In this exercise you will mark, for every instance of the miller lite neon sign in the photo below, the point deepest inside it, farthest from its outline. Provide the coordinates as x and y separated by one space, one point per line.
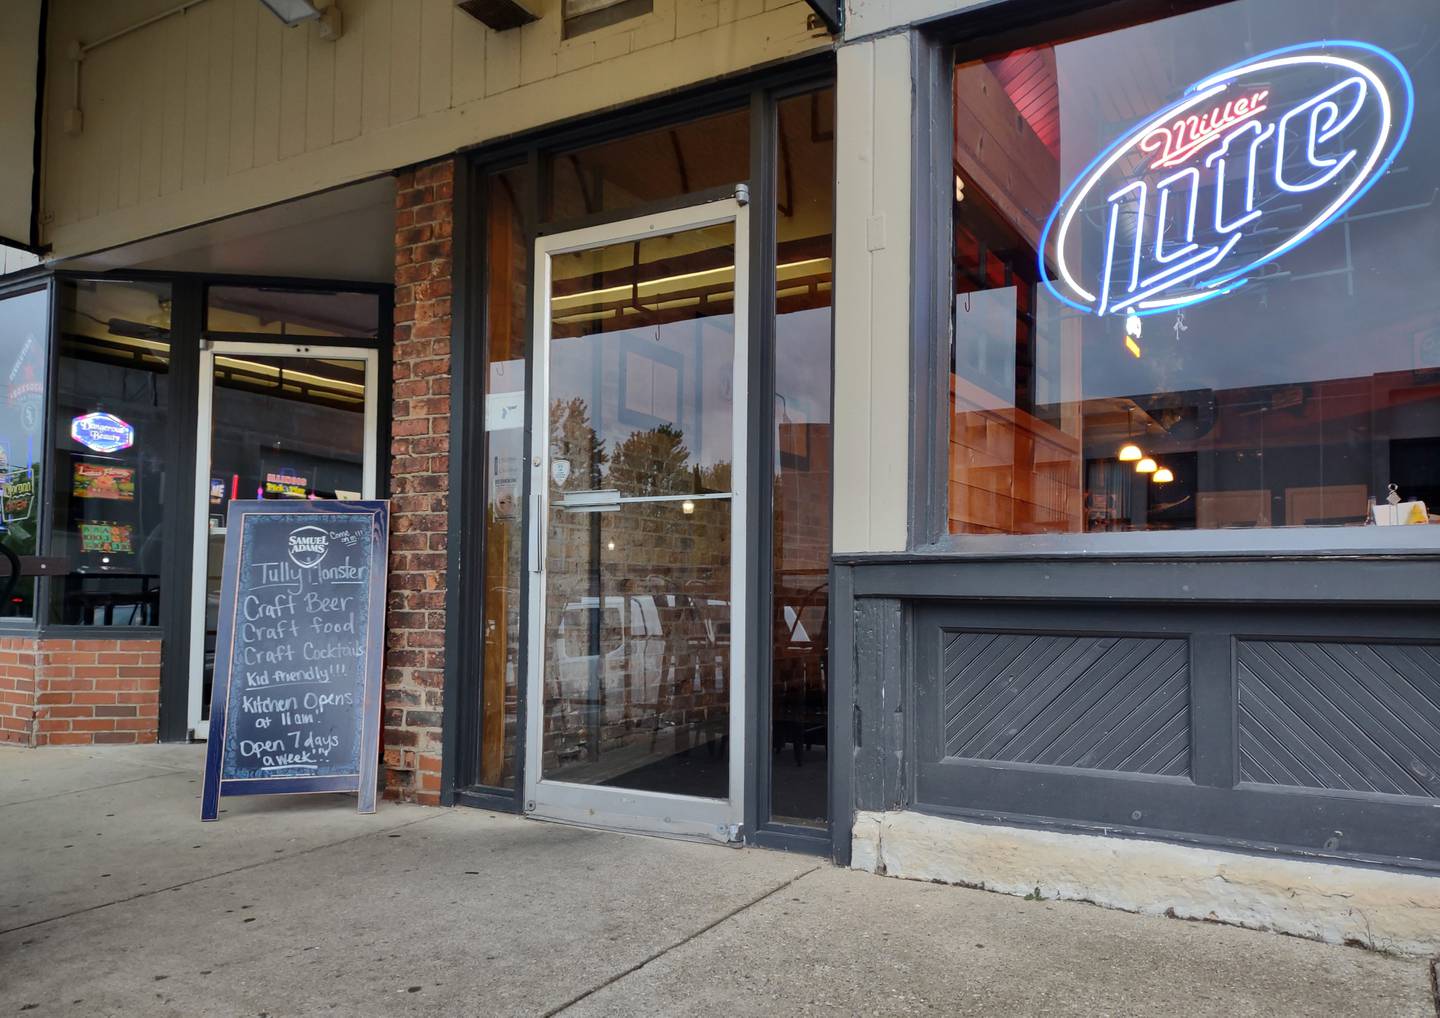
1250 163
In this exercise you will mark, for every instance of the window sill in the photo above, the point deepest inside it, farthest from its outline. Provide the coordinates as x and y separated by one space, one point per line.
1274 542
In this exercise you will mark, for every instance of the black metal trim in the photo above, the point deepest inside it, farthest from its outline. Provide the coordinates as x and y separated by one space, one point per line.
290 283
844 721
484 797
932 69
465 545
831 14
759 411
75 631
178 564
1318 582
792 838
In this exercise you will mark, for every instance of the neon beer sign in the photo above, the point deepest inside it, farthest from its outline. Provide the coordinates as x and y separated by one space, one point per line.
1250 163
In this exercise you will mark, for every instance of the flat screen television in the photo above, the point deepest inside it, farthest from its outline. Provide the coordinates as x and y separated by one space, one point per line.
103 480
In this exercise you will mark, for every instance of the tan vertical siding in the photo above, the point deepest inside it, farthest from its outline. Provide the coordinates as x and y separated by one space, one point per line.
223 108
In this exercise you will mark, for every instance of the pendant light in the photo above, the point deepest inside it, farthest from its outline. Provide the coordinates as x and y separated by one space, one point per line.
1163 476
1146 466
1129 452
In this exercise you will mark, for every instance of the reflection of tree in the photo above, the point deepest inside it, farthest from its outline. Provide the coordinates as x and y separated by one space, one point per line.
651 462
657 462
573 439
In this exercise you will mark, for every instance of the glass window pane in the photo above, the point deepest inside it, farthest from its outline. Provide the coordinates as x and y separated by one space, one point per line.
800 616
112 416
260 310
650 167
641 355
507 296
24 324
638 601
281 428
1193 308
637 676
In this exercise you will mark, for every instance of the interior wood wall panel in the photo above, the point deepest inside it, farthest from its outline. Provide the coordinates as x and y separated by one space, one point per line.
223 109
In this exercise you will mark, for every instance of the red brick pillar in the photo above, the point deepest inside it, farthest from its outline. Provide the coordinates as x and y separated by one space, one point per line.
419 483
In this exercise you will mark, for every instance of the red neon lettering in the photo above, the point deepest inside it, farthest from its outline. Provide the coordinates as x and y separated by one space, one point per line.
1178 141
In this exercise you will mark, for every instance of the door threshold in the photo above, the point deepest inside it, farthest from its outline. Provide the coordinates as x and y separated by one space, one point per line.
708 834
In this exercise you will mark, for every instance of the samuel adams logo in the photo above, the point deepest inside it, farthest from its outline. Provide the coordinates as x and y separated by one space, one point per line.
308 546
1250 163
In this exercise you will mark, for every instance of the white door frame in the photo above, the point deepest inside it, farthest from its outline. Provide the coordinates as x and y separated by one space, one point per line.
205 417
604 805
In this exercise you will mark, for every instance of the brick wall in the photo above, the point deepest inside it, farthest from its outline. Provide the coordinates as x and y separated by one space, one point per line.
419 482
17 690
79 692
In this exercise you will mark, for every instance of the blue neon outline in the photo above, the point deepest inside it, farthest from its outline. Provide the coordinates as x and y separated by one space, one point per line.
1323 46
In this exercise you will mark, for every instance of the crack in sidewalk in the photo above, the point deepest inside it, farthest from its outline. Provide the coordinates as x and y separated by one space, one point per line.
222 873
92 788
632 969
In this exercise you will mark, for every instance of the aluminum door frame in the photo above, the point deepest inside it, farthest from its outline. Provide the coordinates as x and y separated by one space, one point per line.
606 806
205 406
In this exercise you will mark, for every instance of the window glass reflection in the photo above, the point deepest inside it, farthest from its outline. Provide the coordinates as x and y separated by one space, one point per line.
1220 336
507 295
650 166
264 310
24 323
642 401
800 615
111 415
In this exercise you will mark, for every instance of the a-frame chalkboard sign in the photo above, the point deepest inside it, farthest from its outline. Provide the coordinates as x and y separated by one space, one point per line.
295 704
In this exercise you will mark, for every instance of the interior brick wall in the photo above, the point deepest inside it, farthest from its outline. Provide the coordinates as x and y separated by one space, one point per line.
79 692
419 482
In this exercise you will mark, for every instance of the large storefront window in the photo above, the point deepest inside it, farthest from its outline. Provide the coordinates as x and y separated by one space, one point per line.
1194 265
111 415
507 295
24 322
801 546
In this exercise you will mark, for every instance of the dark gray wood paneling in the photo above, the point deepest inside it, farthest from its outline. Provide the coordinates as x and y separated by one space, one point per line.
879 704
1074 713
1109 703
1361 717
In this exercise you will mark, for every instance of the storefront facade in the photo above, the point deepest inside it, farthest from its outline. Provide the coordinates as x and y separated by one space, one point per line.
114 507
644 198
958 445
1171 348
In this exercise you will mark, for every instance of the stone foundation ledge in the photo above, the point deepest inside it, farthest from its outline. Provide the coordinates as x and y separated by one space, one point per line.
1383 910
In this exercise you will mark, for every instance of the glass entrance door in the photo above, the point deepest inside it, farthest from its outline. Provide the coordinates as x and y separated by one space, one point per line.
636 684
276 422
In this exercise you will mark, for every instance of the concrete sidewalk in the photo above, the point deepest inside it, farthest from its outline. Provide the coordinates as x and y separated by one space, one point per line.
115 899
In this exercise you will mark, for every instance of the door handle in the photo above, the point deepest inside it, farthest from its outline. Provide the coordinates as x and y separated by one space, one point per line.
600 500
538 527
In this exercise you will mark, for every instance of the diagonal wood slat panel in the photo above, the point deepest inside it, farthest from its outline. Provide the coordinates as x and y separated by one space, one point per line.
1360 717
1109 703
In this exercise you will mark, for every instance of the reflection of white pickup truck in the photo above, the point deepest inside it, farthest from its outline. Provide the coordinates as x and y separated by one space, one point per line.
633 645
